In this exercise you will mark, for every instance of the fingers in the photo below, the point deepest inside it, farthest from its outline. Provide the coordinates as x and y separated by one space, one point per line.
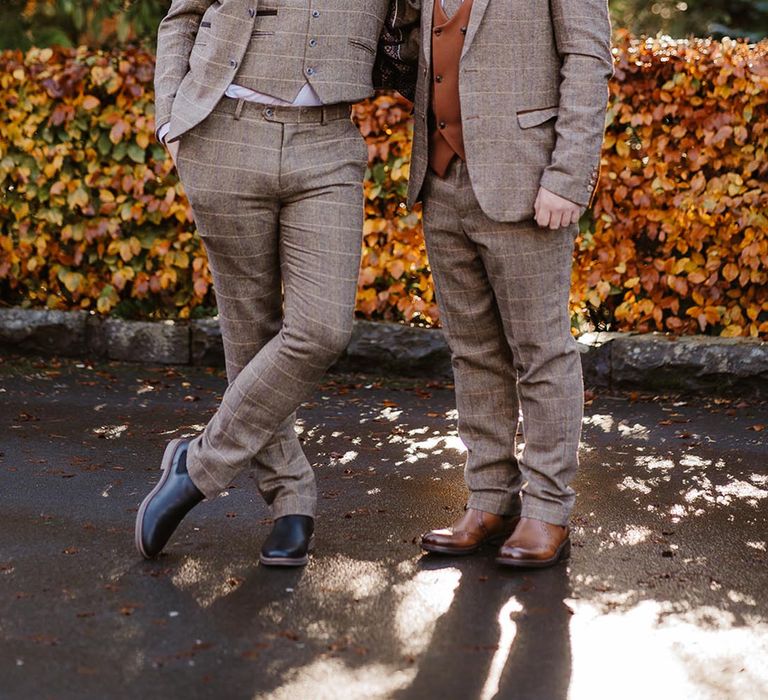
537 207
554 218
543 216
553 212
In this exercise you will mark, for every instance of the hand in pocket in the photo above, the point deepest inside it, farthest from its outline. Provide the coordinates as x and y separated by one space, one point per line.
173 149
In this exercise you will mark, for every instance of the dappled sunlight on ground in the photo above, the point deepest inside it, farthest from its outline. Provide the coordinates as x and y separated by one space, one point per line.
422 600
323 679
664 597
651 650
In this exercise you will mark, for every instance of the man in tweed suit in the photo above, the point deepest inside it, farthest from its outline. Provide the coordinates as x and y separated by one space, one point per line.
253 101
509 111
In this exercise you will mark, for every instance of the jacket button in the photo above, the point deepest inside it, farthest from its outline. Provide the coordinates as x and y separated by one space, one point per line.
438 78
463 30
310 71
442 125
313 43
233 63
315 13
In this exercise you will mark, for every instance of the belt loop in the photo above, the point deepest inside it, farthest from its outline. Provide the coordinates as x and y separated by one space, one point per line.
239 108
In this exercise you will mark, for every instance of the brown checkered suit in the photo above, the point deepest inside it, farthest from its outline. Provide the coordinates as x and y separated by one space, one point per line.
266 45
533 97
278 202
533 92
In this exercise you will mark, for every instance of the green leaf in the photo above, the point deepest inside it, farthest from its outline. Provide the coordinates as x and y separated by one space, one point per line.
136 153
104 144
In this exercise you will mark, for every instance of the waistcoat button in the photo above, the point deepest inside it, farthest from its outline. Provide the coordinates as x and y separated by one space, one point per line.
252 11
315 13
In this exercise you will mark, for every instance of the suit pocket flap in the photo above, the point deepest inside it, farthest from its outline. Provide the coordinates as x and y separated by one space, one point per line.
534 117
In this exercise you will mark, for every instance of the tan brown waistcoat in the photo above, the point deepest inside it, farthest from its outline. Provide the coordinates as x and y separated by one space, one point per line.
446 135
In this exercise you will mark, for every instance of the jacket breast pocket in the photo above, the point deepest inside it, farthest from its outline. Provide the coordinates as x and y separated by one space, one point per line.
528 118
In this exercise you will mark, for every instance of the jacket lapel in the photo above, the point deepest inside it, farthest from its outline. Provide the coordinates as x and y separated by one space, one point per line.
427 15
478 11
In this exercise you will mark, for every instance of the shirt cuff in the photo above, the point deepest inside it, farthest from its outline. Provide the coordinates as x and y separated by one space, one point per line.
162 132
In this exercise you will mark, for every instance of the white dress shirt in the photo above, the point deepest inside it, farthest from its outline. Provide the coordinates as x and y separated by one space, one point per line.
307 97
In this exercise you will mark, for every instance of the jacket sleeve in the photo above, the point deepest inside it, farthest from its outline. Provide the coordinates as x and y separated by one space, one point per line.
175 39
583 37
397 59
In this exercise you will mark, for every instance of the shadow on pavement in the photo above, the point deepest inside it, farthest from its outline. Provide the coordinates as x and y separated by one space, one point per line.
665 595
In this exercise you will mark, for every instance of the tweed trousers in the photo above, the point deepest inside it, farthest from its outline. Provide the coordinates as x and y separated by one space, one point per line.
503 297
277 198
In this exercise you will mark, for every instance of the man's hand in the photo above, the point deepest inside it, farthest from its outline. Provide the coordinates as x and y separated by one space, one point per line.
553 211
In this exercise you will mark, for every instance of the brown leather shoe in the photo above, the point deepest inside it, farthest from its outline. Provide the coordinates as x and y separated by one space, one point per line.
535 544
474 529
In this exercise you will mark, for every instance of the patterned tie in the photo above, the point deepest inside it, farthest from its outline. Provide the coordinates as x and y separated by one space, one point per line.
451 6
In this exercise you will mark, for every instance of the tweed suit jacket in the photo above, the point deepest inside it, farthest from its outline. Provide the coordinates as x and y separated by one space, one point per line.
274 45
533 87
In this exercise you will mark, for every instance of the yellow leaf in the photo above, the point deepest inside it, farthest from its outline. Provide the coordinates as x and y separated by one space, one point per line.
731 331
142 139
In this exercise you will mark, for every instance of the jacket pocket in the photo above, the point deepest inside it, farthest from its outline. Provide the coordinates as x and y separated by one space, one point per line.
533 117
368 46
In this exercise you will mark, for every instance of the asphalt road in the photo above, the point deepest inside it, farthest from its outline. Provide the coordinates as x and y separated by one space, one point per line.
665 596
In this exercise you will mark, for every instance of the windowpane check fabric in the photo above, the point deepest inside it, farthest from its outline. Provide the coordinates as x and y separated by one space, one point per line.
271 46
533 86
277 198
503 291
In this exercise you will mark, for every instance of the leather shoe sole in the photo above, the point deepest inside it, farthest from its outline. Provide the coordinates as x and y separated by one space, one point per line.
165 465
563 553
289 561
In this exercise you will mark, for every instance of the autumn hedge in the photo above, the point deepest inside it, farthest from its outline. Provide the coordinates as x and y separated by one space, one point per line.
92 215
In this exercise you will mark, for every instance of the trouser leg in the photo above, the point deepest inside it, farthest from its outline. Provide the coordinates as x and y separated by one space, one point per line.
237 216
482 362
319 229
529 269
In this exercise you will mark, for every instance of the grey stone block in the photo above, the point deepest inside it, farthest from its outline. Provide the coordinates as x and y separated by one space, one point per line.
693 363
381 347
595 349
164 342
96 341
43 331
654 362
207 348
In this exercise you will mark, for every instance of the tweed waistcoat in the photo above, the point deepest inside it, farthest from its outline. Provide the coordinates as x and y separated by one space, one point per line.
446 135
331 44
271 46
